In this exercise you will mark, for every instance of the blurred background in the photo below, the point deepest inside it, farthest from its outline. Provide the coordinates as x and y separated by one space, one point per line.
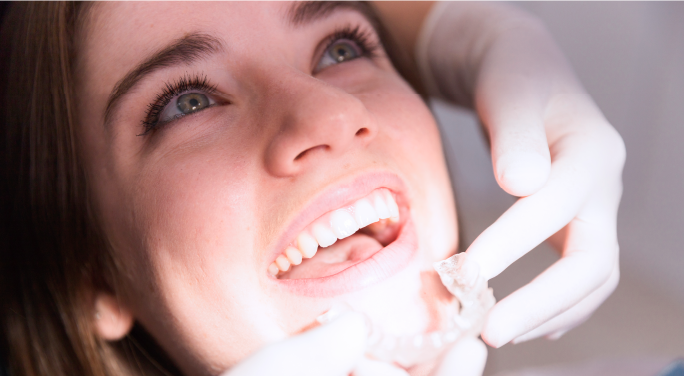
630 57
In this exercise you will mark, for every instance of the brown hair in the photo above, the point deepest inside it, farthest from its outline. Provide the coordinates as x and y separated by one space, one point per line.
53 257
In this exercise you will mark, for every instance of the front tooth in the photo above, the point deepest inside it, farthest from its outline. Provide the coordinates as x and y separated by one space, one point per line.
343 224
381 207
364 213
282 263
323 235
307 245
293 255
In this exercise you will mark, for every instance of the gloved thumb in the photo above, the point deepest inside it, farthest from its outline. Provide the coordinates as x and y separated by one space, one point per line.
331 349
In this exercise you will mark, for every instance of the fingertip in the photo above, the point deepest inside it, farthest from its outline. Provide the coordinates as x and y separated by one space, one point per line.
522 173
492 340
476 348
492 333
467 358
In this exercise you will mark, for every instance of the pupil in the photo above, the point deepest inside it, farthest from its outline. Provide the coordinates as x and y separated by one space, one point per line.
342 52
192 102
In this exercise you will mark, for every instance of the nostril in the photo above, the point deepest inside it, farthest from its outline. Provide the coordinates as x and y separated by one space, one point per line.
301 155
362 132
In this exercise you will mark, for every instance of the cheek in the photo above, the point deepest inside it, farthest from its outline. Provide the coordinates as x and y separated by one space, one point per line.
194 214
414 141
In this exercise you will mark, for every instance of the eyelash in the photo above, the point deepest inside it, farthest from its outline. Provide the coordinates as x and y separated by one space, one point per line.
363 38
171 90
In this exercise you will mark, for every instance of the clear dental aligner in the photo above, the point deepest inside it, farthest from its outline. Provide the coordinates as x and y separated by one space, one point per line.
467 314
376 211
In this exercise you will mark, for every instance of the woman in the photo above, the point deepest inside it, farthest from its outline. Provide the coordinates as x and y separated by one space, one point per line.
174 173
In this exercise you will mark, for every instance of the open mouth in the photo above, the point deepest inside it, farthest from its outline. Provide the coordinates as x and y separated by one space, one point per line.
342 238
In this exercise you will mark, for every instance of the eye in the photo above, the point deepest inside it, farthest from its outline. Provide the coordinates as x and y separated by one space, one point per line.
184 104
340 51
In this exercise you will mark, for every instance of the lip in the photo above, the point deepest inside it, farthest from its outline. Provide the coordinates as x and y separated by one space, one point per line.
381 265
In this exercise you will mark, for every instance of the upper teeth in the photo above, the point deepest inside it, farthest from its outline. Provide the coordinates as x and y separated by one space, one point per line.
338 224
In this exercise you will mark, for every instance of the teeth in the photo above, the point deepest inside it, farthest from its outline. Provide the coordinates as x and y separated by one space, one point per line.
373 210
273 269
282 263
391 205
307 245
364 214
324 236
293 256
381 207
343 224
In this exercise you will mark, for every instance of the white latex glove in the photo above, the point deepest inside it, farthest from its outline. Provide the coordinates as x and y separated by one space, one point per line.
337 348
466 358
550 145
333 349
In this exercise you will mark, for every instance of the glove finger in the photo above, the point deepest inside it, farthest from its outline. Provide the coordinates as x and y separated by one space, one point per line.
519 148
575 315
530 221
466 358
589 257
332 349
511 96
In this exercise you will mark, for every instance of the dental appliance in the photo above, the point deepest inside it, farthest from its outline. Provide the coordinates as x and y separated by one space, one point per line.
473 299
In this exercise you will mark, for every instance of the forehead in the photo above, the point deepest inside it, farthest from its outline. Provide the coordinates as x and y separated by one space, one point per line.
121 31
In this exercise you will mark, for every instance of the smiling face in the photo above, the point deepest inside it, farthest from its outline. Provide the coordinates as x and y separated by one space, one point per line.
237 135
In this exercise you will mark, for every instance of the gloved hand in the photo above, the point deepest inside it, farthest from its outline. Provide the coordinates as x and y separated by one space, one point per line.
337 349
550 145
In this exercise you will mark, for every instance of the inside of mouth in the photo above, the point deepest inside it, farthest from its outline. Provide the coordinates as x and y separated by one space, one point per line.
341 239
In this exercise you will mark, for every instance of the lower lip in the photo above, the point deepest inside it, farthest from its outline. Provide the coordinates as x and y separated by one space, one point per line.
382 265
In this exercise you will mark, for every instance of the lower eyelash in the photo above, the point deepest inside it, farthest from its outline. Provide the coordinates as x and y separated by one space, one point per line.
171 89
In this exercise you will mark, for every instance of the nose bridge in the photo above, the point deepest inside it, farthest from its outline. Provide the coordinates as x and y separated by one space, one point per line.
316 122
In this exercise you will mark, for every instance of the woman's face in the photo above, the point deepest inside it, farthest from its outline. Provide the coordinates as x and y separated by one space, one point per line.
217 136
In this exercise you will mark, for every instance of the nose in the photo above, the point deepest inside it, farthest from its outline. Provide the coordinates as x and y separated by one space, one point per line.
317 123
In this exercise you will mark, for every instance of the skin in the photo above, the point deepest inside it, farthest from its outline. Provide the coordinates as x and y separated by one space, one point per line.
193 209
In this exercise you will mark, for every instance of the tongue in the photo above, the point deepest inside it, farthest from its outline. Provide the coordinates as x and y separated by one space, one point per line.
334 259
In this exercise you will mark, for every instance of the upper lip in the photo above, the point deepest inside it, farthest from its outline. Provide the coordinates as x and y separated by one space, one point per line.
335 197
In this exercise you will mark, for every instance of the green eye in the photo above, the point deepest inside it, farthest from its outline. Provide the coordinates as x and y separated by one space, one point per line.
342 51
192 102
185 104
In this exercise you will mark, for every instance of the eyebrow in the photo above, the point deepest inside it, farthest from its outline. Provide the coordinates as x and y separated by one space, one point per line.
186 50
305 12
